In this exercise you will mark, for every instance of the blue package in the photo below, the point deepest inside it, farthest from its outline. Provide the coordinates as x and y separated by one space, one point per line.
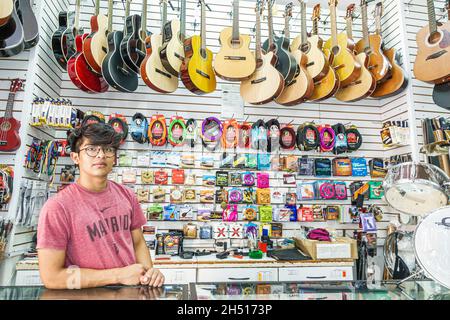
264 161
171 213
359 167
293 209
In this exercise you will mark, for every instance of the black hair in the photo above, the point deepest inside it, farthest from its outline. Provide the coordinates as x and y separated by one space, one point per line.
96 133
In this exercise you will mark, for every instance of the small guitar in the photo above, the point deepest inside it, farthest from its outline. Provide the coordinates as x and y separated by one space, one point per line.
286 63
152 70
114 70
328 85
132 47
172 50
197 72
302 86
6 11
365 84
397 81
433 55
341 54
96 43
11 35
29 23
235 61
266 83
9 126
373 45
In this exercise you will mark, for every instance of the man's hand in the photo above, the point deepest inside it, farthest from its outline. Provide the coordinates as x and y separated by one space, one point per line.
131 275
153 278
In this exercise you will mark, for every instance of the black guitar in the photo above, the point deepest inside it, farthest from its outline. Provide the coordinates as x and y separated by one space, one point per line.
441 95
29 23
133 47
12 36
286 63
114 70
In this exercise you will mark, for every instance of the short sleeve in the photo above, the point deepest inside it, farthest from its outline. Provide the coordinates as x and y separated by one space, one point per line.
53 227
138 219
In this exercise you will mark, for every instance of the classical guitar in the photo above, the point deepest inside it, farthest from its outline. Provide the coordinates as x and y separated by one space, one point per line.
6 11
114 70
197 72
433 55
366 83
132 47
398 80
266 83
328 85
235 61
152 70
11 35
96 43
29 23
286 63
172 50
318 65
9 126
302 86
341 54
373 45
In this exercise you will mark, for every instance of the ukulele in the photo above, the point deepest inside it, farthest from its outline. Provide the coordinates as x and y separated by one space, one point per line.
344 62
329 84
372 45
6 11
11 34
29 23
9 126
433 56
302 86
114 70
172 50
152 70
96 43
197 72
318 65
79 71
286 63
266 83
365 85
235 61
397 81
132 47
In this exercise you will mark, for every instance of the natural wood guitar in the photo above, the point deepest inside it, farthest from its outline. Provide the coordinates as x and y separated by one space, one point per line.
235 61
6 10
12 35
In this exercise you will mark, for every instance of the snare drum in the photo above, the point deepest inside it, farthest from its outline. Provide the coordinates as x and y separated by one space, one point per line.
416 188
432 245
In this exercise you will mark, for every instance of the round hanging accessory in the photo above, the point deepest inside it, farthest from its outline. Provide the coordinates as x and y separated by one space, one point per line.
273 131
191 132
259 135
341 139
177 131
354 138
230 136
308 137
139 128
119 123
212 130
157 130
245 131
288 137
327 138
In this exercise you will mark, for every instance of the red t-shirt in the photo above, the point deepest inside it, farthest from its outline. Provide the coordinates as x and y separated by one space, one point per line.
93 227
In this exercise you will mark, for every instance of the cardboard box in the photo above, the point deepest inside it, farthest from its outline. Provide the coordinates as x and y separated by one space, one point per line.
342 248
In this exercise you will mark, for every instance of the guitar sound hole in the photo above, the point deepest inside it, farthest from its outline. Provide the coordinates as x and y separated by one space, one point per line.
434 38
335 50
203 53
305 47
6 126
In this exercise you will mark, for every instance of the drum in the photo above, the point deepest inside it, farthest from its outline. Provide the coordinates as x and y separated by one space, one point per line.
404 240
416 188
432 245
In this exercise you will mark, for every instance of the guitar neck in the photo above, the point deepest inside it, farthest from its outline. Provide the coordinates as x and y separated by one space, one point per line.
77 14
183 20
127 13
10 105
304 31
144 18
163 15
97 7
258 36
432 16
350 27
235 20
287 32
365 25
203 26
110 14
334 32
270 19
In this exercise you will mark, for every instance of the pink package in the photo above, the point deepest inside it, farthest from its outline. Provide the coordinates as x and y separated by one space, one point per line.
263 180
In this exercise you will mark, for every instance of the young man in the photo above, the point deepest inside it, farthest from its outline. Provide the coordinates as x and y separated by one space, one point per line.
89 234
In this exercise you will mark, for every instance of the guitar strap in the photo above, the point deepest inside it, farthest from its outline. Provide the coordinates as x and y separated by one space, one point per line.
119 123
191 132
288 138
341 139
139 128
327 138
177 131
308 137
157 130
230 134
273 131
354 138
245 131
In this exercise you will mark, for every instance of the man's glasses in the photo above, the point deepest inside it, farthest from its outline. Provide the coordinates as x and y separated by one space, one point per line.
93 151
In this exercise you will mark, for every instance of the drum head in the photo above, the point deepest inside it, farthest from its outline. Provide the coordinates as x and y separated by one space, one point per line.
432 245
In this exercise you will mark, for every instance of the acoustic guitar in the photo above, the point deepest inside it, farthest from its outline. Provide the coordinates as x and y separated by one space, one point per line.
365 85
29 23
344 62
11 35
286 63
6 11
96 43
302 86
172 50
433 56
318 65
152 70
114 70
132 47
328 85
398 80
197 72
373 45
9 126
266 83
235 61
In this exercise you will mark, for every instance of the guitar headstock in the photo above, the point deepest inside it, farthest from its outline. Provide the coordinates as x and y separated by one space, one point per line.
259 6
350 11
363 3
379 10
333 3
288 10
16 85
316 13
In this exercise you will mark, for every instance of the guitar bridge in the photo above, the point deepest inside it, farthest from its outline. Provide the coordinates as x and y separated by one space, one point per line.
259 80
164 73
310 64
436 55
200 72
105 50
179 57
339 67
235 58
